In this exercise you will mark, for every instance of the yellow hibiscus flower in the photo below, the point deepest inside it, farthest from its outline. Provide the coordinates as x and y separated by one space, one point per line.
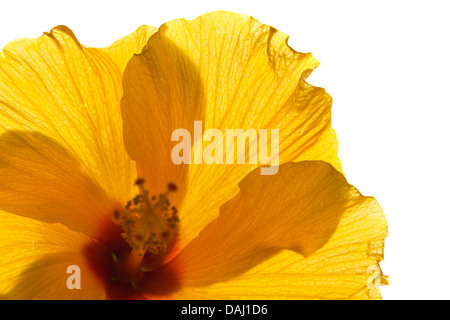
87 180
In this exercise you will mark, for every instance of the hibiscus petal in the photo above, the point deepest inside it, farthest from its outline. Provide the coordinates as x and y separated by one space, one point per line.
343 273
123 49
230 72
36 257
308 208
42 180
70 93
162 93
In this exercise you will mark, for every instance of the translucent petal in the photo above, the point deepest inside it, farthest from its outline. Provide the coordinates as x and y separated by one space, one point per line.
35 257
334 235
230 72
55 86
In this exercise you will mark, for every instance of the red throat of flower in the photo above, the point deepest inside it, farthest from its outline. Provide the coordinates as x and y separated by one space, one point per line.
149 227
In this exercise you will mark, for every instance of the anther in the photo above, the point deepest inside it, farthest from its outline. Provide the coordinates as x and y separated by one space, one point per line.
139 181
116 215
172 187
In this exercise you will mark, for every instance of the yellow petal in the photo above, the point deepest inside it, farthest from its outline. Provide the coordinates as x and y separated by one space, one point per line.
42 180
346 267
35 258
309 208
344 274
70 93
122 50
162 92
230 72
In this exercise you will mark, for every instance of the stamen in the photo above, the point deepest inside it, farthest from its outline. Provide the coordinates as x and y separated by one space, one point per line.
149 223
139 181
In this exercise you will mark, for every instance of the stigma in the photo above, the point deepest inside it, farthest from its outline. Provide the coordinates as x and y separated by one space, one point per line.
149 223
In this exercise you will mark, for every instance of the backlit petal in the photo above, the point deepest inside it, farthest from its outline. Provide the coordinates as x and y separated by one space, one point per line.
334 235
70 93
34 261
42 180
230 72
123 49
346 267
162 92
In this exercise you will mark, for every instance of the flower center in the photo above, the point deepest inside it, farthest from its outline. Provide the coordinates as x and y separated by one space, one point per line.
149 223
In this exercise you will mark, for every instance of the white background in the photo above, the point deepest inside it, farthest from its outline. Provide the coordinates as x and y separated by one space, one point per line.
387 66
